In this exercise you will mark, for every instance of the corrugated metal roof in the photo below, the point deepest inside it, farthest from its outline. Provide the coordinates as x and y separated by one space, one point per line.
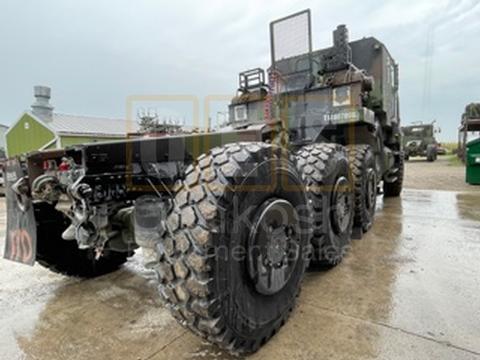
65 124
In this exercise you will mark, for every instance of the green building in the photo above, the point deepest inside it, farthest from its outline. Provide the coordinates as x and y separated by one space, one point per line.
41 128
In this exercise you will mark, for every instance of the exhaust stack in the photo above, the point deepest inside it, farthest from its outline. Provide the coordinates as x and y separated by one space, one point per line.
42 107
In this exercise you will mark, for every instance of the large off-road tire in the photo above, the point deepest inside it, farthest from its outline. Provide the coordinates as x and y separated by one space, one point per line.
431 153
325 172
64 256
362 166
220 257
394 189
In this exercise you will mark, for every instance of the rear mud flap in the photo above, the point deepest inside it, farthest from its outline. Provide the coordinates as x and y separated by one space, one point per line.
21 236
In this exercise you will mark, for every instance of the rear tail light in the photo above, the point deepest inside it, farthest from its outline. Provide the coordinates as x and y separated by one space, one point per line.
64 166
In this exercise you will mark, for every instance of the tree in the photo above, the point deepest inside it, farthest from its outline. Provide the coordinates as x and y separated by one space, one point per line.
148 122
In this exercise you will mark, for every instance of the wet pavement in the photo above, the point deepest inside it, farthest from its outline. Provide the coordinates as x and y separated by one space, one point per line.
408 290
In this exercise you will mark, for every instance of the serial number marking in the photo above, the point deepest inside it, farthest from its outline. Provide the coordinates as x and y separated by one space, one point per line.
341 116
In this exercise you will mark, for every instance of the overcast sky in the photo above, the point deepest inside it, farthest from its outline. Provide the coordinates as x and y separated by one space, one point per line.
94 54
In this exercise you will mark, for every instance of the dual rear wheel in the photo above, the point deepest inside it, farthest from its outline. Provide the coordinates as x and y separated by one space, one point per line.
341 185
325 173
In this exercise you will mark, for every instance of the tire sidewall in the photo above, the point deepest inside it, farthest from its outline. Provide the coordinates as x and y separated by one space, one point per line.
258 313
367 214
335 246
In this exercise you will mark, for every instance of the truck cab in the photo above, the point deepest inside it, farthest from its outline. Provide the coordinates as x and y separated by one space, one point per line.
419 140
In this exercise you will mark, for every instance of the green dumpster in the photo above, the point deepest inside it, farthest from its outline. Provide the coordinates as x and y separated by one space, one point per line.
473 162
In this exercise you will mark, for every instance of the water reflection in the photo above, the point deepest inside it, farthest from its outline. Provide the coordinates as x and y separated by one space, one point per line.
468 206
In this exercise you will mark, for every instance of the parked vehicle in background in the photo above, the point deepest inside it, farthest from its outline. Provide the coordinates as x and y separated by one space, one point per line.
441 150
419 140
469 128
228 220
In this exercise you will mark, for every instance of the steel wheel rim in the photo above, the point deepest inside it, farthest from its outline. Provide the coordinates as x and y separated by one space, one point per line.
273 246
341 205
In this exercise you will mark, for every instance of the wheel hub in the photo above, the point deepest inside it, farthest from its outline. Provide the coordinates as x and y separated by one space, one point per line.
273 246
341 205
278 245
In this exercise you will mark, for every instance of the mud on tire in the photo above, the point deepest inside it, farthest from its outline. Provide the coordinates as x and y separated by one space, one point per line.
64 256
321 166
208 276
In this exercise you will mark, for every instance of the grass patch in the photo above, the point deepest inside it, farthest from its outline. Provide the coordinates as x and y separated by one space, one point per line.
450 147
453 160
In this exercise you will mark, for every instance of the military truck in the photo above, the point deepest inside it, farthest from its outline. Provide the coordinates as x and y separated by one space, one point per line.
229 220
419 140
469 128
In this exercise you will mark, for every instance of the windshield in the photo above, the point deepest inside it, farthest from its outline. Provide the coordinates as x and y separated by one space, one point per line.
417 131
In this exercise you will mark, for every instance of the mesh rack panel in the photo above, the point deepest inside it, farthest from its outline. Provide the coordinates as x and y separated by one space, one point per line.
291 36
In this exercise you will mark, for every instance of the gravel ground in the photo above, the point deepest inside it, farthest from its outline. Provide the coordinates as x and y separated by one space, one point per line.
444 174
